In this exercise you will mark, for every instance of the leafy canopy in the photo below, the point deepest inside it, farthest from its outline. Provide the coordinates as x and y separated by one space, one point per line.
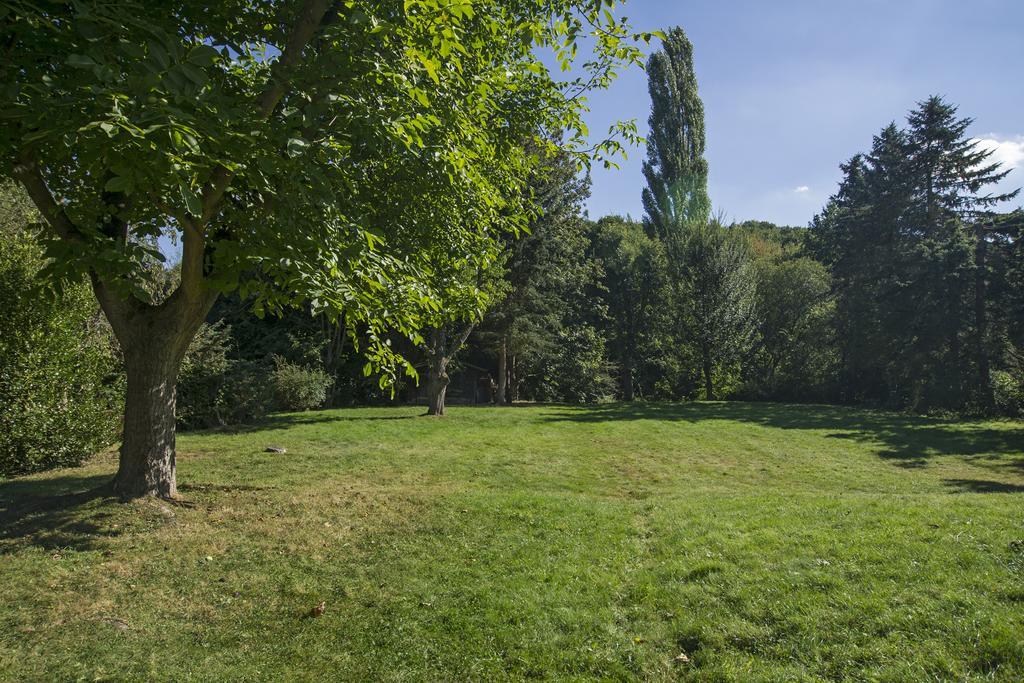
303 151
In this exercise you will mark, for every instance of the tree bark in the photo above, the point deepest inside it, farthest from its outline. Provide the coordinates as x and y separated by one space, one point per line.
147 462
502 372
437 387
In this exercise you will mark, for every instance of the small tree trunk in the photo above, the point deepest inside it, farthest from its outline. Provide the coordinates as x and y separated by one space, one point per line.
502 372
627 377
437 386
984 370
513 381
437 377
147 464
709 383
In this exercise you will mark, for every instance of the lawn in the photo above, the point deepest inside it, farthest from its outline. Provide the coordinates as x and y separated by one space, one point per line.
760 542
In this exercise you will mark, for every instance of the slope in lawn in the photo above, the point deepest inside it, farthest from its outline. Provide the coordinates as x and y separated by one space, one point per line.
761 542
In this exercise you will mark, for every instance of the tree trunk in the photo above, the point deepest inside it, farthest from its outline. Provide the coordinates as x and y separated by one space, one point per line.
146 464
513 381
437 376
437 387
627 377
439 354
153 340
984 371
502 372
709 384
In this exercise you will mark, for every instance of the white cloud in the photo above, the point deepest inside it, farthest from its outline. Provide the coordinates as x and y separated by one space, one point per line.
1009 152
803 189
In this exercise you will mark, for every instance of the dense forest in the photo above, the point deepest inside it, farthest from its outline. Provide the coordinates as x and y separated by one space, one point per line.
906 292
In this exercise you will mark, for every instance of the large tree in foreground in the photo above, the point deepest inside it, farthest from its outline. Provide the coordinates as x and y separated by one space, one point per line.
290 146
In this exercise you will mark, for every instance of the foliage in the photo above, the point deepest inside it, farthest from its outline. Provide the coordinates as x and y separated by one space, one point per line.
319 153
1008 392
676 195
634 295
717 303
794 354
299 388
906 238
545 271
576 372
59 380
201 397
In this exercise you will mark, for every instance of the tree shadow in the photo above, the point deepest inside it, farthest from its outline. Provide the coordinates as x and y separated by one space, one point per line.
289 420
982 486
907 441
47 513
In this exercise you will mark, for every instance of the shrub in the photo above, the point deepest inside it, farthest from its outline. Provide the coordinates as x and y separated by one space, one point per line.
201 398
60 382
1008 391
299 388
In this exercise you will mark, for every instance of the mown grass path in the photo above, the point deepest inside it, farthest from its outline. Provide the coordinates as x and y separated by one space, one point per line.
763 542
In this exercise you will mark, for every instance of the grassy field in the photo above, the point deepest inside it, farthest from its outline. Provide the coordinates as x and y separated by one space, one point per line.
761 542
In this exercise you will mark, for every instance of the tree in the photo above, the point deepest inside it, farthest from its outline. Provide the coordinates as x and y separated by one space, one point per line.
717 300
60 380
709 267
633 288
676 195
905 242
545 273
307 152
793 357
469 285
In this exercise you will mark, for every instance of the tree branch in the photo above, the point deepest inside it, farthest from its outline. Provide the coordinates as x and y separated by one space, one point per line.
309 21
26 170
461 339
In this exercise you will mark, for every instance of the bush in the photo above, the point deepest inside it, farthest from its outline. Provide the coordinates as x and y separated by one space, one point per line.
61 387
215 390
1008 391
299 388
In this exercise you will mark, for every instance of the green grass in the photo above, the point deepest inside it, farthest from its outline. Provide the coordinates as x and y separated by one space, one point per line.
766 542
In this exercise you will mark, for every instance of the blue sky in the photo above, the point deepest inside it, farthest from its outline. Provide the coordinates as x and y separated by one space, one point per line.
791 88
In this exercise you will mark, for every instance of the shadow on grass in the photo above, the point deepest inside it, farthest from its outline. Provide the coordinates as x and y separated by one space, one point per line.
47 512
289 420
905 440
982 486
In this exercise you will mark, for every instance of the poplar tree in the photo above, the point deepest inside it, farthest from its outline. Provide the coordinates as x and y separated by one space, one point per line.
676 195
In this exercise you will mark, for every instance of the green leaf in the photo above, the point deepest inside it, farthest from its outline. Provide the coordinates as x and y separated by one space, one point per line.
296 146
80 61
118 184
192 203
194 74
203 55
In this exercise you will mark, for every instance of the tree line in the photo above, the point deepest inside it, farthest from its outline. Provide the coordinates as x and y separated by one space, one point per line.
352 236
